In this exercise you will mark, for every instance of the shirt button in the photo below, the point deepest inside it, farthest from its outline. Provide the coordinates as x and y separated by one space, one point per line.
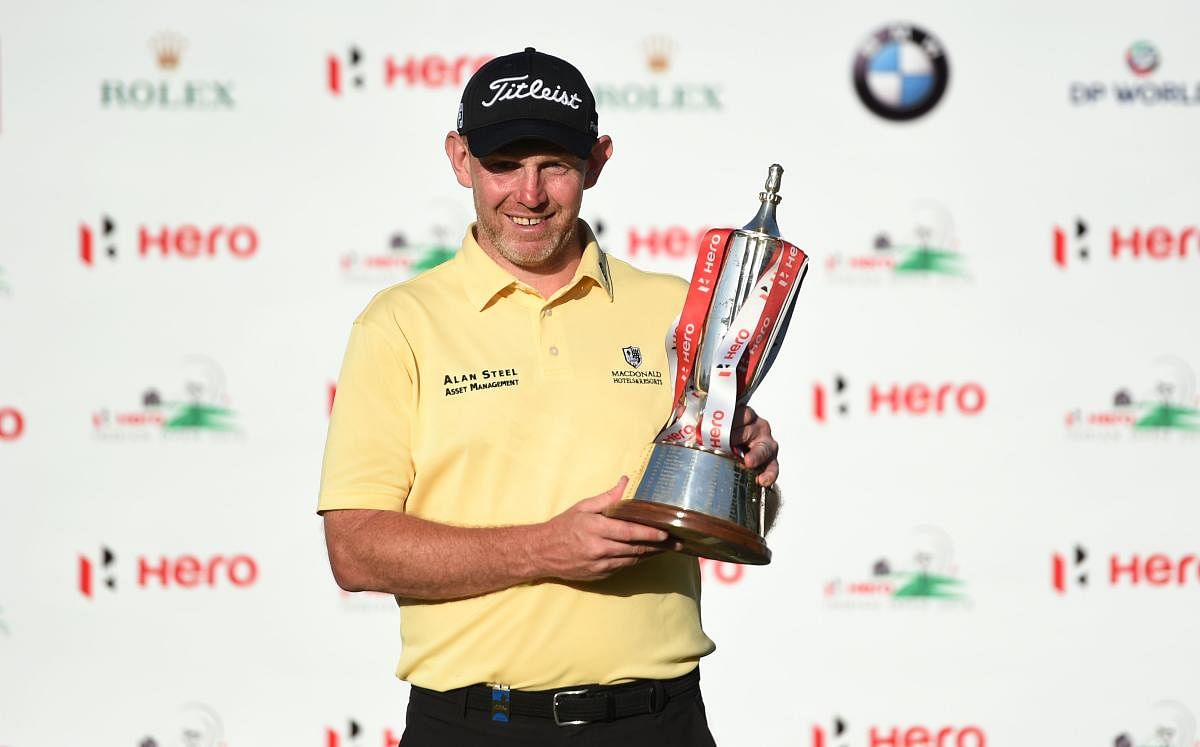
553 350
548 312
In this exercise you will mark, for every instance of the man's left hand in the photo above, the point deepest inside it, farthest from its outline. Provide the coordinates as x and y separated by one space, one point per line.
752 436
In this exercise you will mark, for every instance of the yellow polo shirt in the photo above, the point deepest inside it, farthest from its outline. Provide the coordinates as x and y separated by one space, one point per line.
467 398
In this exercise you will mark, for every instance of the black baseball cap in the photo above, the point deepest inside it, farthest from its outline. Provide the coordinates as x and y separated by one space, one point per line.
528 95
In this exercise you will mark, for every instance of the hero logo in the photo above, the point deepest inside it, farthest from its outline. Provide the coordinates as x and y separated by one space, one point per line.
428 71
838 734
183 571
672 242
917 398
12 424
353 736
1076 243
186 241
1070 570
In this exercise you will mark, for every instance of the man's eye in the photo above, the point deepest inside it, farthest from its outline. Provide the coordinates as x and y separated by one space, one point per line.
499 166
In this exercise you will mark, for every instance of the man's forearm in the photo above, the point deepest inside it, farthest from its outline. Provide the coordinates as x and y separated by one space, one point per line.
400 554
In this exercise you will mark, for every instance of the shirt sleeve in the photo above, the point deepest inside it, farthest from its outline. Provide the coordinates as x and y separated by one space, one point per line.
368 452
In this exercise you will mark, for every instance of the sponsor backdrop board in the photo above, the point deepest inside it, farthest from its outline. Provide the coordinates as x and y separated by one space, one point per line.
987 404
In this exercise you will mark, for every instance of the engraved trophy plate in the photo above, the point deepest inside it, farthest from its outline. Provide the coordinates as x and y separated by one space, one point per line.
692 484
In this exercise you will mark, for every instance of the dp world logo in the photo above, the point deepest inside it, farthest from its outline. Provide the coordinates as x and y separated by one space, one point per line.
901 72
1142 58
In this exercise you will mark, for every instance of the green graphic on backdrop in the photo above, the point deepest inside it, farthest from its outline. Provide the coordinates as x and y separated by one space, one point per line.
199 416
929 260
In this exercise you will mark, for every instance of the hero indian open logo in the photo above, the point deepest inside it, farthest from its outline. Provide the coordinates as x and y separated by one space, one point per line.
351 71
662 90
1143 60
1077 243
185 241
192 724
103 573
1073 570
921 571
400 256
166 91
834 400
919 243
1163 404
1168 723
198 404
838 733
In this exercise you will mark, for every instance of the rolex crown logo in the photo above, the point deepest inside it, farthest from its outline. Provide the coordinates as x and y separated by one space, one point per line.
168 48
658 51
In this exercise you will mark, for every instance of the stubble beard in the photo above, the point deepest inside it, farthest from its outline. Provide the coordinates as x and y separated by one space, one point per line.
556 246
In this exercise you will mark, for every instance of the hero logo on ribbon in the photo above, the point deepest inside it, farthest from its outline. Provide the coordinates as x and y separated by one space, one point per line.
515 88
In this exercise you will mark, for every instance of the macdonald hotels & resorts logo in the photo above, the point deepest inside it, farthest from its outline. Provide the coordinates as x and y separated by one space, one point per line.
1076 243
836 399
1163 403
356 71
922 572
100 242
920 244
838 732
661 90
103 574
1080 569
167 90
197 404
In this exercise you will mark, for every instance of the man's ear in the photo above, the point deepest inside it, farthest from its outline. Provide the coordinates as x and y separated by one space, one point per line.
456 151
601 152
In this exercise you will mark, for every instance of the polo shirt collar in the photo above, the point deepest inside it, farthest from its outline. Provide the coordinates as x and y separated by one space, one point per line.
484 278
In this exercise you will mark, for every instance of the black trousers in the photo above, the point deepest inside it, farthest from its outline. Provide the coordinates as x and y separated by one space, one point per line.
438 719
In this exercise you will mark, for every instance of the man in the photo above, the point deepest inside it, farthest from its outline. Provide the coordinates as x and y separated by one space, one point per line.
477 403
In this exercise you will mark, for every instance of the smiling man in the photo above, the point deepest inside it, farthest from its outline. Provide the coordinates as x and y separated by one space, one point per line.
479 404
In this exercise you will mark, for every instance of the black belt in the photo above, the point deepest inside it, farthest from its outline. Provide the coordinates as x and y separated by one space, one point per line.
585 704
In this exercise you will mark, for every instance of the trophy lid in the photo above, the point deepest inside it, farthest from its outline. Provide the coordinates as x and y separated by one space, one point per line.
764 221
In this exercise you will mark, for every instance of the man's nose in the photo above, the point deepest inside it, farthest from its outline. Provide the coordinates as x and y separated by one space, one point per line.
531 191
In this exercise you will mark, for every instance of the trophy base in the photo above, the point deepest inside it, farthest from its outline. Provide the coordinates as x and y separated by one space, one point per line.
702 535
706 500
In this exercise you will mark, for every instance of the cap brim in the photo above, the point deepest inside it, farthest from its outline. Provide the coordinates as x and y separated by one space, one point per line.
489 138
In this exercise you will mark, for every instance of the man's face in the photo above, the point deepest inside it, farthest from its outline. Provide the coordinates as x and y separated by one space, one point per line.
527 197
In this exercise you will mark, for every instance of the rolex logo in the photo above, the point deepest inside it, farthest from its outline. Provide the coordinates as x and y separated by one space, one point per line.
658 51
168 48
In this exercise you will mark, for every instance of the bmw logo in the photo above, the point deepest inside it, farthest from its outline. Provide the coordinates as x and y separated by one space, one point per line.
900 72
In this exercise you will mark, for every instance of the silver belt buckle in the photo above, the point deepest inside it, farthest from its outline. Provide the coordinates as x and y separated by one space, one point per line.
554 701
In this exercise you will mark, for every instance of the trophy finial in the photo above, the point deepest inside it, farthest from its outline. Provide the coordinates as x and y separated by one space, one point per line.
774 177
764 221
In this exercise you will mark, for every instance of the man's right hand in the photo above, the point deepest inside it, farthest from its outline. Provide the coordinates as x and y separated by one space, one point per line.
582 544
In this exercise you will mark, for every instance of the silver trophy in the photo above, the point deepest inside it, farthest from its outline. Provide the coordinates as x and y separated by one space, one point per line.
692 483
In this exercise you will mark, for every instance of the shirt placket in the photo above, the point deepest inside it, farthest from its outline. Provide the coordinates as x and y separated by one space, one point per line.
554 352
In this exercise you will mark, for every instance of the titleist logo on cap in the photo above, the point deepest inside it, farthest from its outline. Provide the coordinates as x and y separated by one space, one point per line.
518 88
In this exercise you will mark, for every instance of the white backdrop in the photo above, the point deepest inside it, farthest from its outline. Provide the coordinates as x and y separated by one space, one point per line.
162 414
